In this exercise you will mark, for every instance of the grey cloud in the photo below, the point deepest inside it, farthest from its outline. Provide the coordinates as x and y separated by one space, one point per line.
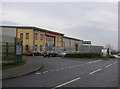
90 21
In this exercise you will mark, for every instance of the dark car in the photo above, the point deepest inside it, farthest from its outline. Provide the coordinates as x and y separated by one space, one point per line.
50 54
33 53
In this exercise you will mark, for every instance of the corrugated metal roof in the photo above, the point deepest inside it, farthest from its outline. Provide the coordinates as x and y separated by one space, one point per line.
72 38
35 28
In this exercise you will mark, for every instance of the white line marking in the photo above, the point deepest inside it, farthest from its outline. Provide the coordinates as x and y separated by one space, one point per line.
45 71
89 62
66 83
108 65
76 65
52 70
82 64
69 67
94 61
73 66
66 67
57 69
38 73
115 62
61 68
95 71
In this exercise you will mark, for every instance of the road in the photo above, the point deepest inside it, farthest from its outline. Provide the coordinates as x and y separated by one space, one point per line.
61 72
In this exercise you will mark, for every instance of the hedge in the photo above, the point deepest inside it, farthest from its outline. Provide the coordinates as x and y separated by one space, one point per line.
83 55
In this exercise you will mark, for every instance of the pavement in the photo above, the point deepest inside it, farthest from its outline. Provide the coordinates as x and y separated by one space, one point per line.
61 72
29 67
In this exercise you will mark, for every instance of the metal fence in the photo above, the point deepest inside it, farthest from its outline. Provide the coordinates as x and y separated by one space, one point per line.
91 48
9 52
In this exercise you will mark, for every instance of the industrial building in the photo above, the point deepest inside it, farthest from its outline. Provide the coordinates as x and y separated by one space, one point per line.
76 45
71 44
34 38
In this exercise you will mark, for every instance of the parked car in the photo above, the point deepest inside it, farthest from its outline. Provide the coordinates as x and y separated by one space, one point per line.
50 54
62 54
33 53
118 54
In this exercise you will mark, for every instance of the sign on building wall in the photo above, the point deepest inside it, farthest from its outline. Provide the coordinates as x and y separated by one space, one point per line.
18 47
50 43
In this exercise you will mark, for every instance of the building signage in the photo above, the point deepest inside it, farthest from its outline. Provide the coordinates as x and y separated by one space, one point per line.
18 49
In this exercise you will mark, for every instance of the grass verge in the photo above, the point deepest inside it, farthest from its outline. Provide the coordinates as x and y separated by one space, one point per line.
13 65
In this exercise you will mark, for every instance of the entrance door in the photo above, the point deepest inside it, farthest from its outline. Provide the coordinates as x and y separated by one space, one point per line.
26 47
76 47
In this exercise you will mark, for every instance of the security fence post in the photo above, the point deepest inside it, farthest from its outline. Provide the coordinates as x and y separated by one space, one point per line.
21 50
15 51
6 49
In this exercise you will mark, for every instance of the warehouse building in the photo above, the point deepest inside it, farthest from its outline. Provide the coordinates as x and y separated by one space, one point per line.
91 48
71 44
76 45
36 38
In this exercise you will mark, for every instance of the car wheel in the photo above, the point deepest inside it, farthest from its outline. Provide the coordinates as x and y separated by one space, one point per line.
50 55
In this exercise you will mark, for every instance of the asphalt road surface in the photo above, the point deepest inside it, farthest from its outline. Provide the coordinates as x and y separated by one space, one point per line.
61 72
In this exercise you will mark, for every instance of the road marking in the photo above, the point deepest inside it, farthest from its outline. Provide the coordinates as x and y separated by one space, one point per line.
73 66
52 70
66 67
98 61
108 65
38 73
115 62
76 65
94 61
57 69
95 71
61 68
66 83
45 71
69 67
82 64
89 62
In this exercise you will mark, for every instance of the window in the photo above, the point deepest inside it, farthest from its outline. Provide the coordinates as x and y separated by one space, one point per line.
27 35
36 36
21 36
61 39
35 47
41 36
57 39
41 47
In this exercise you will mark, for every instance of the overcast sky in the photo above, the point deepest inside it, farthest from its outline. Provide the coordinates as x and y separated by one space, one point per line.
95 21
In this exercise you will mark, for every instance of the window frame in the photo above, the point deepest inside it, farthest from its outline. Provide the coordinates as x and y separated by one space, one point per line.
27 35
41 48
36 36
21 36
41 36
57 39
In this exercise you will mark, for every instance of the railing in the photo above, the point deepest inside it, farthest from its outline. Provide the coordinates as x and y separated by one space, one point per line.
9 53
